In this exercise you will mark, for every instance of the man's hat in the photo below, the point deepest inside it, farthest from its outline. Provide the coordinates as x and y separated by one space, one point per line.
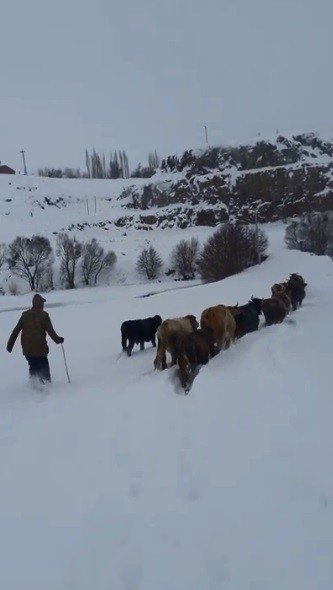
38 300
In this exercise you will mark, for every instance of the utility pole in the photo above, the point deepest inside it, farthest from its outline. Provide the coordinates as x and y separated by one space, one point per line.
206 133
24 163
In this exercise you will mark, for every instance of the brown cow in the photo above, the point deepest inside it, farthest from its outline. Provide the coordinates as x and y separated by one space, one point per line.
274 310
193 350
167 333
220 323
279 290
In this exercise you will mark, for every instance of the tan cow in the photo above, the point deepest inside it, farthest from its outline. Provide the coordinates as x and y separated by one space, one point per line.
220 323
279 290
168 333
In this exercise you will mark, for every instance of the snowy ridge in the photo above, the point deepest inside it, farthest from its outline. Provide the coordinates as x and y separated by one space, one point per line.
201 188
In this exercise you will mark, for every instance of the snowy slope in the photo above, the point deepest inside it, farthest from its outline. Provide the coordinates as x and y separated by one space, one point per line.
24 211
119 481
47 205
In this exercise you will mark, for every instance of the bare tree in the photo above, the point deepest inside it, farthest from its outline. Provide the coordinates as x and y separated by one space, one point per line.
95 261
184 258
29 257
88 164
231 249
313 233
149 263
294 236
256 244
46 282
3 254
106 265
69 250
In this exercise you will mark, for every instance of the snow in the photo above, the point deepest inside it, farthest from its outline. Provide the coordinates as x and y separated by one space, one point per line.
119 481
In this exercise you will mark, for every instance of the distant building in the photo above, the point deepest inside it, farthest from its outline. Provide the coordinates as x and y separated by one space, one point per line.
6 169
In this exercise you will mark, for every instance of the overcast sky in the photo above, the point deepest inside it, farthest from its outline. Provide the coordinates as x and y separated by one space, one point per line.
146 74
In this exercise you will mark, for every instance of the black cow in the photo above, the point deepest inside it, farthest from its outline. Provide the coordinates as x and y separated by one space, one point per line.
247 316
139 332
295 288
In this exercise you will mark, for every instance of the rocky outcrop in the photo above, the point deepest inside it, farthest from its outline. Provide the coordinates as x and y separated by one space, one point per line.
275 179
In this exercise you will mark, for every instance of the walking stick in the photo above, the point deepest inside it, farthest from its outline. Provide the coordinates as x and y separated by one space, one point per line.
63 352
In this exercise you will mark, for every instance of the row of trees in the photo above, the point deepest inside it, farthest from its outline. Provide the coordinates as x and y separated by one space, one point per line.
231 249
32 259
116 165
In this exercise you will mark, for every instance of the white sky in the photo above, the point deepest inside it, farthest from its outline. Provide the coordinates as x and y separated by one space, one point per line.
146 74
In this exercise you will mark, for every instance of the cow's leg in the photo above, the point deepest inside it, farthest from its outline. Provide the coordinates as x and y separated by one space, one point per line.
130 347
153 341
160 359
212 350
184 370
173 358
220 342
229 340
142 345
123 342
163 359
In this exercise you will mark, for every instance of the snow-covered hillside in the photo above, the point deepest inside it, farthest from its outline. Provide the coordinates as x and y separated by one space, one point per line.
87 209
202 188
118 481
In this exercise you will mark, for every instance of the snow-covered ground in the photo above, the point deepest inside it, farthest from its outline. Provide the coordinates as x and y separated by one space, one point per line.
118 481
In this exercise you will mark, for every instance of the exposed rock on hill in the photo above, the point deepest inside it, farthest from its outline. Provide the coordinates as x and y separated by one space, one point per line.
278 179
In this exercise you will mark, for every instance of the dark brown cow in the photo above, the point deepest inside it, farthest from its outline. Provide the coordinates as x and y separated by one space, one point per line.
274 310
193 350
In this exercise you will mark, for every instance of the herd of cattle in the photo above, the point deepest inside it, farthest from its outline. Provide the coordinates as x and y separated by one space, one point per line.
190 346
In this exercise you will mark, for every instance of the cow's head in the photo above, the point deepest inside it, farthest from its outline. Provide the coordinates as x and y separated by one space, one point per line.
157 320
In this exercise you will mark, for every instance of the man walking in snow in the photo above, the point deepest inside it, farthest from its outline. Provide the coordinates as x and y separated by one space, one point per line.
35 323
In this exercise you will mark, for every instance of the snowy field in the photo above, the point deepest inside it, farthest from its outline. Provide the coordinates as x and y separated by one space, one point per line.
117 481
